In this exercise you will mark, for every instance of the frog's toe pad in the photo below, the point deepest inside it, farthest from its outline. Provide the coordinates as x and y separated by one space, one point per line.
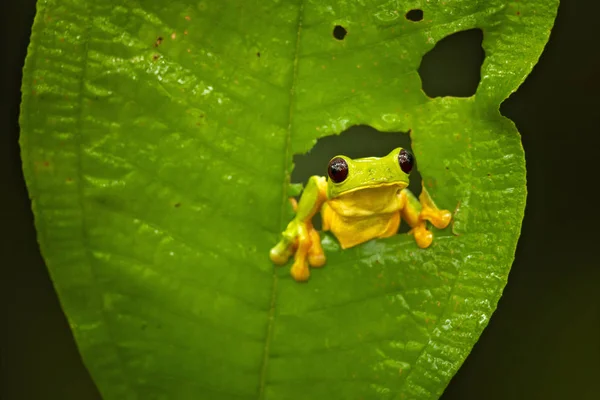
316 260
423 237
280 254
300 272
442 219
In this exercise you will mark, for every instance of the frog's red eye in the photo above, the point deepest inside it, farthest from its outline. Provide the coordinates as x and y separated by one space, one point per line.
338 169
406 161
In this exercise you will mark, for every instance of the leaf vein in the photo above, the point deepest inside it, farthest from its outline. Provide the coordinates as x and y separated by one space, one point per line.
271 320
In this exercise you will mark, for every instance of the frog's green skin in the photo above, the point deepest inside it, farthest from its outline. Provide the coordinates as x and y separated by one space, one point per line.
368 204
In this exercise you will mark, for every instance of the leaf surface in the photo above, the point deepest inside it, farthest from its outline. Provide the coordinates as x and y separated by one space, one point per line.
157 140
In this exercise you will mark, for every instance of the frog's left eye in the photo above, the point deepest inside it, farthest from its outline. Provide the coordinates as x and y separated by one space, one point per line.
338 169
406 161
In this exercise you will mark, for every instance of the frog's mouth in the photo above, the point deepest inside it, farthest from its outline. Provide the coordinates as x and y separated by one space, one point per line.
376 187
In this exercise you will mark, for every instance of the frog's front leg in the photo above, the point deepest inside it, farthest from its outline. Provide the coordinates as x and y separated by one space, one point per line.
416 212
300 237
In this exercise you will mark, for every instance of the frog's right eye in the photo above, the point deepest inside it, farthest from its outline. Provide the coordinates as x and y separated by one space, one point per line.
338 169
406 161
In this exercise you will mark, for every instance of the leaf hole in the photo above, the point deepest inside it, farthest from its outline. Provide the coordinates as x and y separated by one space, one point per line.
339 32
415 15
453 66
355 142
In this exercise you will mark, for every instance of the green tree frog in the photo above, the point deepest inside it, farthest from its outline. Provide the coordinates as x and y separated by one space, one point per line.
361 199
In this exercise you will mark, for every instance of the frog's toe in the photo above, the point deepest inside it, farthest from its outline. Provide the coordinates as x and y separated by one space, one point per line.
281 253
439 218
316 260
442 219
423 237
300 271
316 256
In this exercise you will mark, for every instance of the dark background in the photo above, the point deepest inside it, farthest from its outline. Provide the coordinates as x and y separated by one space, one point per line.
543 341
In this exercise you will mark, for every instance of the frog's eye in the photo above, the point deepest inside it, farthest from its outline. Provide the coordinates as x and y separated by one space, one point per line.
406 161
338 169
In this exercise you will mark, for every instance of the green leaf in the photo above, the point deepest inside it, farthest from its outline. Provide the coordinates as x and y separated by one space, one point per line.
157 141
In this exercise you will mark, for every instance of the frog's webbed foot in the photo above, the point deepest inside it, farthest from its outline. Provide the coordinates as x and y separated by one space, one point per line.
300 238
303 241
428 212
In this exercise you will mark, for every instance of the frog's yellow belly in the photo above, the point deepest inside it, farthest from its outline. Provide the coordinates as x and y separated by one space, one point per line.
351 231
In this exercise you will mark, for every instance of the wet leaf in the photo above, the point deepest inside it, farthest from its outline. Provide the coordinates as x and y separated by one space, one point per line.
157 141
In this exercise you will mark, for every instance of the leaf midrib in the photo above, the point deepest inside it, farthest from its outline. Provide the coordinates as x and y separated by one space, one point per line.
271 317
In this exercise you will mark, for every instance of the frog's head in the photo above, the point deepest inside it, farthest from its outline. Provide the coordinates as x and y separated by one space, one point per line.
347 175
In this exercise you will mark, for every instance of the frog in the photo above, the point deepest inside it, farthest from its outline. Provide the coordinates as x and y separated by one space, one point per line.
359 200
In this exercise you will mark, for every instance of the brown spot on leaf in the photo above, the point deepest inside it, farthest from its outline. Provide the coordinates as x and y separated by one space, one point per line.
158 41
187 17
155 57
177 205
